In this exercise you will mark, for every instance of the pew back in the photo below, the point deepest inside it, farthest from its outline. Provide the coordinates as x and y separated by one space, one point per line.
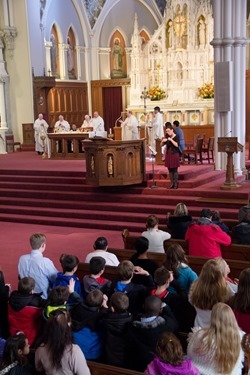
196 263
102 369
234 251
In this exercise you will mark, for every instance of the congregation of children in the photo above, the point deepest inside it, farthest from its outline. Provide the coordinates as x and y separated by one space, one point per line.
157 320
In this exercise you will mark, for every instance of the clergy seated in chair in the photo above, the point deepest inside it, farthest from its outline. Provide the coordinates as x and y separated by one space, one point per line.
11 144
209 150
195 153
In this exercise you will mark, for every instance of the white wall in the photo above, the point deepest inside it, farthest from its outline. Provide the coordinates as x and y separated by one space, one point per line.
19 70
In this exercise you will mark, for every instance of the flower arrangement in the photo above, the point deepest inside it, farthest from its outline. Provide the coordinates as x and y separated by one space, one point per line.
206 91
156 93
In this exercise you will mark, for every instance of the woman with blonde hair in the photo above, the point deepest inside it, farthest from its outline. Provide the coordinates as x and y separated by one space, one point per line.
217 349
179 221
225 269
210 288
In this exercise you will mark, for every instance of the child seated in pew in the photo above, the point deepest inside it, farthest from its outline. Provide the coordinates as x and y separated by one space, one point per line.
14 361
241 231
140 258
69 265
115 323
59 297
170 358
216 219
4 296
155 236
25 310
95 279
240 302
177 262
135 292
144 333
224 267
178 302
87 328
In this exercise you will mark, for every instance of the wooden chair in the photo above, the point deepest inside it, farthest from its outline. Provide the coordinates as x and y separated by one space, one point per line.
11 144
196 152
209 150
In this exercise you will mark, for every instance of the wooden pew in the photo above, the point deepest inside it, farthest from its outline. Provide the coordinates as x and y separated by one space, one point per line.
234 251
196 263
102 369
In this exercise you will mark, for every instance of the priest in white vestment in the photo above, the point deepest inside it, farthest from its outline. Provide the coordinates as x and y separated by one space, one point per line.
98 123
129 127
156 130
87 123
61 125
41 129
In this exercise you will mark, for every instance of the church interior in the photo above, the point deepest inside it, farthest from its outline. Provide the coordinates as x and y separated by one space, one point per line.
72 58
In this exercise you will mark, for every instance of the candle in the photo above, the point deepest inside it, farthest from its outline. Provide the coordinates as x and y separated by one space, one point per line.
110 131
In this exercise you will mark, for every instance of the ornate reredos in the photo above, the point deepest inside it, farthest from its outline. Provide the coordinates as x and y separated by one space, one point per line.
178 57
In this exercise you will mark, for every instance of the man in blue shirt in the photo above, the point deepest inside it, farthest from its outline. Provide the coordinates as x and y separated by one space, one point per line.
37 266
180 134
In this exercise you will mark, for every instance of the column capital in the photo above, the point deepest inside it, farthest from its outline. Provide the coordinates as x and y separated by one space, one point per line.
8 35
63 46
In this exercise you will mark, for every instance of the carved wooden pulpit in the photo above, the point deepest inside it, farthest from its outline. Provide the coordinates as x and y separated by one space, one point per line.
230 145
114 163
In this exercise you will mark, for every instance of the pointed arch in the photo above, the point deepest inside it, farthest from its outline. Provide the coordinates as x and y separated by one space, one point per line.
118 63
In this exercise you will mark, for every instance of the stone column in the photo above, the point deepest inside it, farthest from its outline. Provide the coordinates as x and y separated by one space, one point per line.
48 46
229 45
79 62
63 60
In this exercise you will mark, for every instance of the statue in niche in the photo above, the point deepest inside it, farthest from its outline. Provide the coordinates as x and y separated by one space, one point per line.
92 165
169 35
53 55
202 32
70 59
110 166
117 54
180 27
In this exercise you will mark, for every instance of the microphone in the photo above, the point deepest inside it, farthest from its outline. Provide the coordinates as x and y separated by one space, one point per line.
117 120
227 133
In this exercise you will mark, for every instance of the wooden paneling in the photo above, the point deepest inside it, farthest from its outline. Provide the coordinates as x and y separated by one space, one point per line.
191 130
69 99
28 134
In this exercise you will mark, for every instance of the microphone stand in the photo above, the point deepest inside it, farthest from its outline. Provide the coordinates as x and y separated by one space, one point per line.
153 155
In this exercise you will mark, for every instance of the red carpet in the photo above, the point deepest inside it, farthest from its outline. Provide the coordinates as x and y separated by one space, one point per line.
51 196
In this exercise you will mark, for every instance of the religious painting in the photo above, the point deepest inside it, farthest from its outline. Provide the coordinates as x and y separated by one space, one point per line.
93 9
118 64
54 53
71 55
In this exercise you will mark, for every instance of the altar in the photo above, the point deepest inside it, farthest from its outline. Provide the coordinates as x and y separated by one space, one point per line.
67 145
